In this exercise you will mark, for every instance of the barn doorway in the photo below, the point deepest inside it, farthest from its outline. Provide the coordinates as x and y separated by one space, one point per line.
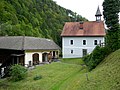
53 54
35 59
17 59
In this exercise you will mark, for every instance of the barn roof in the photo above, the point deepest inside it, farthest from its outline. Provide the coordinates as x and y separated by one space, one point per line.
27 43
88 28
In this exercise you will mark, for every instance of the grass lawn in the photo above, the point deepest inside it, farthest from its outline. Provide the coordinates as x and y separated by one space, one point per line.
77 61
71 75
54 76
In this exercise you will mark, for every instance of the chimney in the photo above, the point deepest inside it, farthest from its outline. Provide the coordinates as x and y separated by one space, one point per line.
81 25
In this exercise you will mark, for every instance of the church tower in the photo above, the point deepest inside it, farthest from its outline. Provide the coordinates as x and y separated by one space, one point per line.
98 14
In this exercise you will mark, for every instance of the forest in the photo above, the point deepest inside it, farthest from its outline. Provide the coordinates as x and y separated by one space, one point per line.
38 18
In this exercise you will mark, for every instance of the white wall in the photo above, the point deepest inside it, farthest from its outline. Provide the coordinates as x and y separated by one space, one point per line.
78 46
28 57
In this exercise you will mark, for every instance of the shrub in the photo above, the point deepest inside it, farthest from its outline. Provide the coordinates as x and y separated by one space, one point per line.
37 77
98 54
18 72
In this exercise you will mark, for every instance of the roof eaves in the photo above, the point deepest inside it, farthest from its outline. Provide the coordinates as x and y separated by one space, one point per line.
82 35
43 49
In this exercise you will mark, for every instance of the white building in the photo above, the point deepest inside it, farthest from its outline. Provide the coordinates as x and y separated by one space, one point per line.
80 38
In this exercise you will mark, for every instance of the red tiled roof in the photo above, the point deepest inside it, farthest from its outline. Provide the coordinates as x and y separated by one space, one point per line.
90 28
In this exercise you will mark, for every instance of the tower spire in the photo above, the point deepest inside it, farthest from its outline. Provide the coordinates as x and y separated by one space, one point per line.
98 14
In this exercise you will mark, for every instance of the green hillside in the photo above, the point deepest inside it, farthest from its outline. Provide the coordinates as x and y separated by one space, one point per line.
39 18
105 76
66 75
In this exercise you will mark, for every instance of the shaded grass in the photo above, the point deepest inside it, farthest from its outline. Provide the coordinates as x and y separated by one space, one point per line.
77 61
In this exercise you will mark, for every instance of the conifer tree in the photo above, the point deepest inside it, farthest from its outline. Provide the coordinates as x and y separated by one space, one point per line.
111 10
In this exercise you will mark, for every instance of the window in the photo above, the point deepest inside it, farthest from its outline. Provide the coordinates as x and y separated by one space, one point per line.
95 42
71 42
84 52
100 42
84 42
71 51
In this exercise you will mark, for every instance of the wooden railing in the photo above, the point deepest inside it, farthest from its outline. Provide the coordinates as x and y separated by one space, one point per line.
102 44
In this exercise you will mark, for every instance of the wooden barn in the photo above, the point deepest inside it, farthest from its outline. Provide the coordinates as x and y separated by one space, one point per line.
26 51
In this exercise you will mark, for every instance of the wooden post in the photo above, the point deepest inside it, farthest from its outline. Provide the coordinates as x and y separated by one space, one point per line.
0 73
87 77
17 60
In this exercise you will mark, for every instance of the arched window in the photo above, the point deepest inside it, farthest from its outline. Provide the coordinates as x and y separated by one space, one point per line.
35 59
44 57
95 42
84 42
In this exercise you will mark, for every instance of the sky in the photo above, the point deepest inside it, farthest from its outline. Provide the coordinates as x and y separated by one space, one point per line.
85 8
